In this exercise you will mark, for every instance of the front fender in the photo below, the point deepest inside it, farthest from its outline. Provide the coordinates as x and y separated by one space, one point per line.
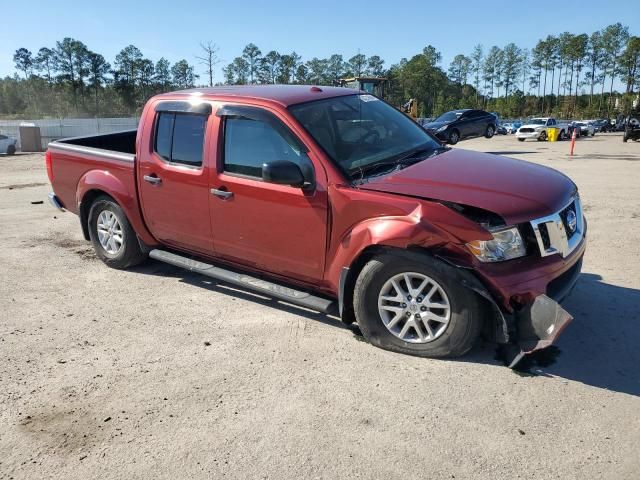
428 225
123 191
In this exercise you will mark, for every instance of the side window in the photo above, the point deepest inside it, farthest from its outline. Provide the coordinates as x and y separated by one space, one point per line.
249 143
180 137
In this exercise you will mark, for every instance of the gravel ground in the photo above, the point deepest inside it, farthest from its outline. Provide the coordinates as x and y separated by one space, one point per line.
158 373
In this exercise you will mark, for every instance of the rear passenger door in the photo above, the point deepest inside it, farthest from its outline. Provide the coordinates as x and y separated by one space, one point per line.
173 179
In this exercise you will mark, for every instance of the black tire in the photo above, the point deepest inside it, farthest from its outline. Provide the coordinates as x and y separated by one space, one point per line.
625 137
11 150
543 137
490 132
454 137
521 139
561 135
129 253
465 322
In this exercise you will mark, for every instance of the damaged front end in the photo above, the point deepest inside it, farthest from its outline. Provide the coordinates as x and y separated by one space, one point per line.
531 326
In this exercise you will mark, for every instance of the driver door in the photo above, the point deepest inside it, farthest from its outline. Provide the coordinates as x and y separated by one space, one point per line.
275 228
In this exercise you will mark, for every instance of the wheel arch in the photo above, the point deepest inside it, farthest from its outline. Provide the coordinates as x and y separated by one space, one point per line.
85 206
102 182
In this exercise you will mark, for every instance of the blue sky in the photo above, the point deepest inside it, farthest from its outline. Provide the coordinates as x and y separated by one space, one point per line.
173 29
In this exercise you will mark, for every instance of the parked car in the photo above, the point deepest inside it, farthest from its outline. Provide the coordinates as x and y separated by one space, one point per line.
603 126
456 125
536 128
571 126
587 129
632 129
501 130
512 127
334 200
8 145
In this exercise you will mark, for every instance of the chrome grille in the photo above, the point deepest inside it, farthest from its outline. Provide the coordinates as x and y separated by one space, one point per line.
554 234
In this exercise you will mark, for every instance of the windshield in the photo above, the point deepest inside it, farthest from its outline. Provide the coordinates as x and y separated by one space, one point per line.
360 130
538 121
449 117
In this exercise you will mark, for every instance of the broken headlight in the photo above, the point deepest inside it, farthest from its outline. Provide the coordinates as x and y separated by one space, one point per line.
506 244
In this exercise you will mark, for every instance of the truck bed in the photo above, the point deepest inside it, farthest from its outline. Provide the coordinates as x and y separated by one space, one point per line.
81 164
121 142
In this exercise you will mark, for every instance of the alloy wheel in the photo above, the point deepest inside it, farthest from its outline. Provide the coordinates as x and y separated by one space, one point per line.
110 232
414 307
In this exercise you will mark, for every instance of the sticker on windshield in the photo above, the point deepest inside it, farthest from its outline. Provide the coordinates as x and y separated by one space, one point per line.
368 98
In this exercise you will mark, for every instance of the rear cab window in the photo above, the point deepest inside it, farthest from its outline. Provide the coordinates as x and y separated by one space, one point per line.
179 137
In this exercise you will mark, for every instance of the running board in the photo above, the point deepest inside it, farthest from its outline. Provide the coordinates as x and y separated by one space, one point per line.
290 295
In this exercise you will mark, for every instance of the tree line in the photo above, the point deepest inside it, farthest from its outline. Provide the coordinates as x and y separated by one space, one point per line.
71 79
568 75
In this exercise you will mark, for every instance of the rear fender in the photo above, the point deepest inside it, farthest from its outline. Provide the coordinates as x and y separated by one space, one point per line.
102 181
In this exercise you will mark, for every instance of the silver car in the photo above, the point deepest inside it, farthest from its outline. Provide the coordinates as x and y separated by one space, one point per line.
7 145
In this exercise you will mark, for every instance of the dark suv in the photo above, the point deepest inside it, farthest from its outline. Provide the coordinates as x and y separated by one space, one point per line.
632 128
457 125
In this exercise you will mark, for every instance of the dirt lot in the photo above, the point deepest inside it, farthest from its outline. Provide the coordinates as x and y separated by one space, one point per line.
157 373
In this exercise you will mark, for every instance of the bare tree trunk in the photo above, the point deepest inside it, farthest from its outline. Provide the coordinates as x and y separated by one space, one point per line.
544 89
553 74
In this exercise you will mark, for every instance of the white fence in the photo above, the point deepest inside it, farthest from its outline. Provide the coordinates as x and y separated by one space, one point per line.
68 127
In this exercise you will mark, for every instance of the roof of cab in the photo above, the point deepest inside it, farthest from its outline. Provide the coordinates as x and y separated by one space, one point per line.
285 95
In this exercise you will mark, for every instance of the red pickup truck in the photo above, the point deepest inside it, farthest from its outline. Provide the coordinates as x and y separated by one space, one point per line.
333 200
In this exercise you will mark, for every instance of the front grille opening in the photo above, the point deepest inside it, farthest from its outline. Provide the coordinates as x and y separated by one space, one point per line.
529 237
544 234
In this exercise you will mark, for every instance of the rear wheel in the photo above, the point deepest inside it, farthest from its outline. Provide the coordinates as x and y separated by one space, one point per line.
454 137
562 135
112 236
11 150
521 139
490 131
414 304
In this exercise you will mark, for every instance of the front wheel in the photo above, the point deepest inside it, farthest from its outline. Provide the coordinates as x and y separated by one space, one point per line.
542 137
11 150
414 304
454 137
112 236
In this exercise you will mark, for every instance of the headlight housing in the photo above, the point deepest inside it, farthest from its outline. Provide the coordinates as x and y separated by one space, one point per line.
442 128
507 244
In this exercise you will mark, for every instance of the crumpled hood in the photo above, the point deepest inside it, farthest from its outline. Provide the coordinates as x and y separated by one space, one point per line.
516 190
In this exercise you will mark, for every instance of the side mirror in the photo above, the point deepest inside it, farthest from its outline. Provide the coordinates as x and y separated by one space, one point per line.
283 172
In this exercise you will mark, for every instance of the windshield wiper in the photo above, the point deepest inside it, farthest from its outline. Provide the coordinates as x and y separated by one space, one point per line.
405 159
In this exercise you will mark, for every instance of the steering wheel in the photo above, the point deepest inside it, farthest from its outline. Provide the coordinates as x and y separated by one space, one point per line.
371 137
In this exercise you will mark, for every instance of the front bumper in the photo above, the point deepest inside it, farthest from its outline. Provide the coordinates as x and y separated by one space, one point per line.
526 135
527 299
443 135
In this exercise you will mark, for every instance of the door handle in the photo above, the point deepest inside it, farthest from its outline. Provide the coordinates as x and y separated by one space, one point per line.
221 193
152 179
